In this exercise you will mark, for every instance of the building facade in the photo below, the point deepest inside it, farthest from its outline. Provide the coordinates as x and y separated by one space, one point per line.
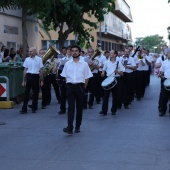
11 29
113 33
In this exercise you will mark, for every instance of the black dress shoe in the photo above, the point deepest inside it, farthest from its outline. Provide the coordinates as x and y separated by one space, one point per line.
68 130
30 106
43 107
161 114
90 107
61 112
126 107
33 111
113 113
77 130
23 111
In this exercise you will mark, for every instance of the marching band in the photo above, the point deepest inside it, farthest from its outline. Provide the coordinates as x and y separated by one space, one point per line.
82 80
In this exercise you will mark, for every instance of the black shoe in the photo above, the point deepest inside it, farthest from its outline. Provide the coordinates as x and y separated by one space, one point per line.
77 130
30 106
161 114
61 112
98 102
33 111
113 113
68 130
23 111
126 107
90 107
159 109
85 107
101 112
43 107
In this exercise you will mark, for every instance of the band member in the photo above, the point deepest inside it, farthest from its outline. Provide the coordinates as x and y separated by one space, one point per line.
165 71
149 70
62 82
93 81
107 54
130 65
102 59
157 66
77 72
112 68
33 69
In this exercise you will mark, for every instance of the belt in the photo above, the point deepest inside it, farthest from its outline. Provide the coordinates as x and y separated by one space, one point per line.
75 84
32 74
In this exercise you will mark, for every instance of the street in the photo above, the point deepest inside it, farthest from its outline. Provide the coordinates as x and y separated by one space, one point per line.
134 139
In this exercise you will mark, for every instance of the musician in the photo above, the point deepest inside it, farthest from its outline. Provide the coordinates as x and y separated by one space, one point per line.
157 66
112 68
165 71
93 82
77 72
149 70
107 54
130 65
147 61
62 82
33 67
41 53
100 92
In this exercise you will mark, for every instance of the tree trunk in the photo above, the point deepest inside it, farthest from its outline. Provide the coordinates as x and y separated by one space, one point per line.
24 31
61 39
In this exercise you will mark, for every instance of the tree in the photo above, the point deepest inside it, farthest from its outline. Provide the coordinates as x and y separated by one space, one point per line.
71 13
153 43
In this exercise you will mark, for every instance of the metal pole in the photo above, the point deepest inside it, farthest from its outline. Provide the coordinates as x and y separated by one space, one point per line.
100 35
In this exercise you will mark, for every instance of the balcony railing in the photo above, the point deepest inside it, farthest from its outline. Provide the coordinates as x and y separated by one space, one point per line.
122 10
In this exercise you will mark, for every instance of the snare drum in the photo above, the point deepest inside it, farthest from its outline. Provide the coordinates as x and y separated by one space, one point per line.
167 84
109 83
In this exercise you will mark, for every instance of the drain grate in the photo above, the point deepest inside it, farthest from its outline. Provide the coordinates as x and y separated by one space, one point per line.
2 123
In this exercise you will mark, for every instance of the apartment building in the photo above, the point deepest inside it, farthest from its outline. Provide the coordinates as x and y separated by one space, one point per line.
11 29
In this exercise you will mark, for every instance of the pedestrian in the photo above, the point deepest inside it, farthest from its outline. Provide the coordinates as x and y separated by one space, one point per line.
32 71
77 73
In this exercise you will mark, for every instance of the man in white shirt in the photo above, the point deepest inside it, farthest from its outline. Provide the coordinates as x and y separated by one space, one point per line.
128 90
165 71
77 74
33 69
112 68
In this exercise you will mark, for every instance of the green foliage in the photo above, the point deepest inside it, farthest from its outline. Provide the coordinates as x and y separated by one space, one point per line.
71 13
150 42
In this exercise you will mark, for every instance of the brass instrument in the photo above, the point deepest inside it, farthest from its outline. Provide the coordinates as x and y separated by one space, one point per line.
140 57
49 64
98 51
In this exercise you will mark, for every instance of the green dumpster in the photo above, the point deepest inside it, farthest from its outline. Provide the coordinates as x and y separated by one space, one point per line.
14 72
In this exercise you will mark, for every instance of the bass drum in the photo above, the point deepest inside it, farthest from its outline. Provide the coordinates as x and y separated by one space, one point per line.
109 83
167 84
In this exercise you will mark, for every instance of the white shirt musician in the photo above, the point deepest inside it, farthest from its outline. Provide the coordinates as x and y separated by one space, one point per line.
165 69
102 59
111 67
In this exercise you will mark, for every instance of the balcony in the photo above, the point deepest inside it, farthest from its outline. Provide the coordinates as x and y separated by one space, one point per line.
122 10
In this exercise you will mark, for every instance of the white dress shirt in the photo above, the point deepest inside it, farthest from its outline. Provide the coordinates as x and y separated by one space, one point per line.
76 72
146 66
110 68
130 62
159 59
33 65
165 68
102 59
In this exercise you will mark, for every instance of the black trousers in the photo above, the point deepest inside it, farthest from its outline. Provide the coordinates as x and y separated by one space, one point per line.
63 97
161 94
165 99
139 84
53 81
145 78
32 82
114 92
128 88
75 94
46 91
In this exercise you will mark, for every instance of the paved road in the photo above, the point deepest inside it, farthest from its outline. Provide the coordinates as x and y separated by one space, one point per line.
134 139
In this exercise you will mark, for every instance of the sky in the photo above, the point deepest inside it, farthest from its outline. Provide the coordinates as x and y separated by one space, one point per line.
150 17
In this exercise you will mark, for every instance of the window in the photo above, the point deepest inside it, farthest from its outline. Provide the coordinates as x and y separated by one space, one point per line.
11 45
10 30
44 44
